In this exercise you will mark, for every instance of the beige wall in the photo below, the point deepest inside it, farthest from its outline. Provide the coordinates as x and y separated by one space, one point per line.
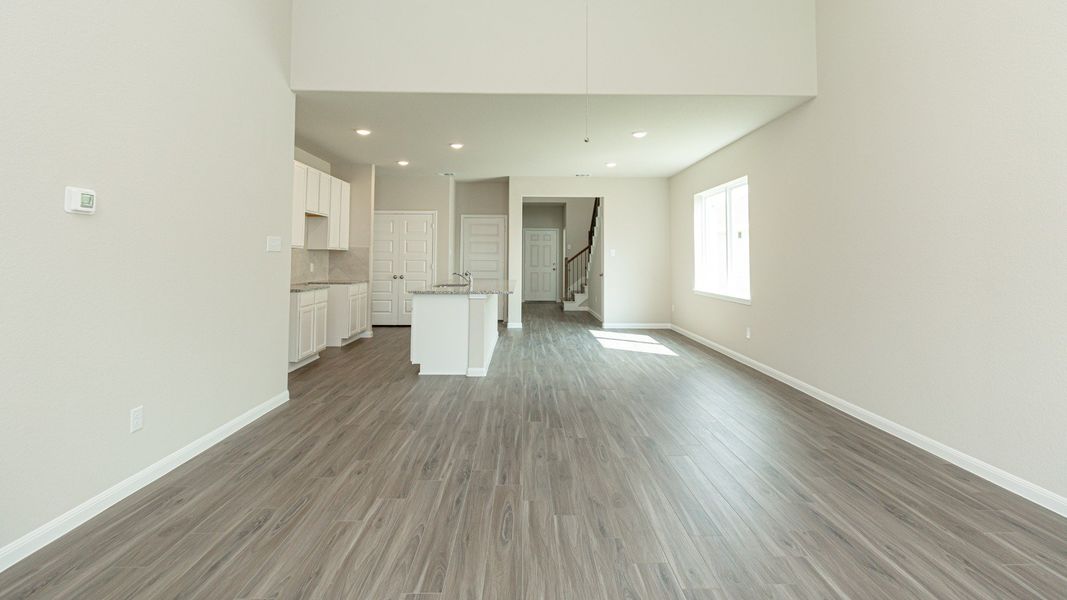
635 47
432 192
547 216
165 297
637 277
908 227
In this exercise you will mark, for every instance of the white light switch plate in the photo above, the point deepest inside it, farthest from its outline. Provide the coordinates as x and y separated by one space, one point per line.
136 418
274 243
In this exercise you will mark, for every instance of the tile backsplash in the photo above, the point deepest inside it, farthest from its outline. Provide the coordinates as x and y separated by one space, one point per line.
301 267
352 265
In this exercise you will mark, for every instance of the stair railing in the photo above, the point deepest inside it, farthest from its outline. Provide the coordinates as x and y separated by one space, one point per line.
576 271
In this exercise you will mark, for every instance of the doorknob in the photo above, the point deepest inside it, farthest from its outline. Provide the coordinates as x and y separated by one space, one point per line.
401 276
395 277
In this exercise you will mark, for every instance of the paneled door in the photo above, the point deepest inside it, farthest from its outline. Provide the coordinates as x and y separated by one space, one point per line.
540 264
483 249
404 243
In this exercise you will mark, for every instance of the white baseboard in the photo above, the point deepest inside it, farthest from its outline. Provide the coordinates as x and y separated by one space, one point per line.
573 308
514 325
471 372
596 315
636 325
63 524
1012 483
367 334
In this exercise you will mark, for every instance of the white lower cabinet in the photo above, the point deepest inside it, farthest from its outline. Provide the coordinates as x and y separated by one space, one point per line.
349 315
308 316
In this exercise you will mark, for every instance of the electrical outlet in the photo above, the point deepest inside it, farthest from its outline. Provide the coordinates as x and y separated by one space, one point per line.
312 267
136 418
748 333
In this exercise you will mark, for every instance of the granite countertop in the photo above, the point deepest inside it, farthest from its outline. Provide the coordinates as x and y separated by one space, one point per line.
478 286
297 288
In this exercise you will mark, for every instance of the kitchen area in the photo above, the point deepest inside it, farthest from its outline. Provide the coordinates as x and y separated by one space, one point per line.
369 251
329 292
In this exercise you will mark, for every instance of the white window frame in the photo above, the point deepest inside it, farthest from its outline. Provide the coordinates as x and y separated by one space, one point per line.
700 240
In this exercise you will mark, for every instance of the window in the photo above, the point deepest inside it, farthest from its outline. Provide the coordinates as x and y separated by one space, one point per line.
720 242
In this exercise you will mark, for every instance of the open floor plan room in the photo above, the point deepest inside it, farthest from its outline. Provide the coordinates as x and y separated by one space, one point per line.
554 300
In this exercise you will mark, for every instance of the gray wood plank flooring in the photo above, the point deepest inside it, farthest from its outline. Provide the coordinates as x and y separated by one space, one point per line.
632 466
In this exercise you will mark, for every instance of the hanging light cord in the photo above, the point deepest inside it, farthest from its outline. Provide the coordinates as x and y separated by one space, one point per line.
587 71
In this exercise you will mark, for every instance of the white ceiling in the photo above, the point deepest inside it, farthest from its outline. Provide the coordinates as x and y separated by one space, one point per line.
527 135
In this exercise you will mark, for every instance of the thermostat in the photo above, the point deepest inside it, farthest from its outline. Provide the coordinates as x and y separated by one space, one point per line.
80 201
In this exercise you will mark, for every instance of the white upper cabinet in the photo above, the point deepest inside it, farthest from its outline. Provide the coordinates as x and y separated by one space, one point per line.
314 181
325 185
326 200
346 210
300 182
334 241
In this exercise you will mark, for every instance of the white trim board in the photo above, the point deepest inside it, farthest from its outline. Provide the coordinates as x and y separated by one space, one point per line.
995 475
636 326
68 521
595 314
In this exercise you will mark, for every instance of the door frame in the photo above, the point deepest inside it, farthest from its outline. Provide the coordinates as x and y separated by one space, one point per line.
433 246
559 295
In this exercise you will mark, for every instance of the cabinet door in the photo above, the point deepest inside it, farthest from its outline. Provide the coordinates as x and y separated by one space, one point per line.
346 208
320 326
306 345
324 194
354 315
334 240
314 185
363 306
300 182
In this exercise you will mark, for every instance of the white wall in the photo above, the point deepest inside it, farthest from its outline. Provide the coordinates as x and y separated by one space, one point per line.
165 297
478 46
637 277
908 227
431 192
544 215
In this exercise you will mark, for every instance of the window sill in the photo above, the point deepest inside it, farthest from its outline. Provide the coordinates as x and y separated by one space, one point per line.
733 299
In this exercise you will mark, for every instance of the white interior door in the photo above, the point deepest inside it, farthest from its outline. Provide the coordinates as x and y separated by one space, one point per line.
483 249
416 261
540 262
404 245
385 270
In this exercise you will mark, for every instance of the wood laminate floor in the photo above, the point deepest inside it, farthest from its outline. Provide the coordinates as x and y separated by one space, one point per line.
630 465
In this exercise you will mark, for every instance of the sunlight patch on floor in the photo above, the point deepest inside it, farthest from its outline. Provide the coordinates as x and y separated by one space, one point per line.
631 342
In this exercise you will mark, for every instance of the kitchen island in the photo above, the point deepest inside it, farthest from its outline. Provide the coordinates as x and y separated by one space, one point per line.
454 327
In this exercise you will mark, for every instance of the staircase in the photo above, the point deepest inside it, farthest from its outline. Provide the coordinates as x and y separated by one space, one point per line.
577 269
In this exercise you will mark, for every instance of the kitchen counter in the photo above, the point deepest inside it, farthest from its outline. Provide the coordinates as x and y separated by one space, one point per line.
454 329
478 287
338 282
306 287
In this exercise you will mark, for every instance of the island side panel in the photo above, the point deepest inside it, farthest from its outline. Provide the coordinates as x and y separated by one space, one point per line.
439 333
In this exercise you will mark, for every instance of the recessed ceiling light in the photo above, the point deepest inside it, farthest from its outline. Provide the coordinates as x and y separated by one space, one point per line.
455 145
610 165
362 131
639 134
403 163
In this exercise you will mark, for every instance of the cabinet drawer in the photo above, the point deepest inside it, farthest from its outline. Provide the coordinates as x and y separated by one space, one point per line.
305 298
320 295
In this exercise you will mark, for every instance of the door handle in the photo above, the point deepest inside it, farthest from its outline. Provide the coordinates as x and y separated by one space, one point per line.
401 276
395 277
